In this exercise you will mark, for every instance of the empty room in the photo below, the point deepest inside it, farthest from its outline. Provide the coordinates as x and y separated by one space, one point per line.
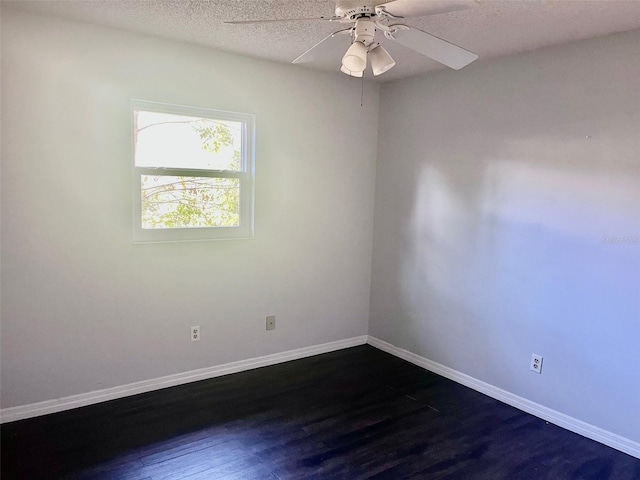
317 239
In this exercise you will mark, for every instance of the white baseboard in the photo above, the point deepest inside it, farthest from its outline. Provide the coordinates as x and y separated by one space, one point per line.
557 418
560 419
90 398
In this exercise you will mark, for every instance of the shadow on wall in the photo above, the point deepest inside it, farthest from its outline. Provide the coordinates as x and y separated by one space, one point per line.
525 249
508 223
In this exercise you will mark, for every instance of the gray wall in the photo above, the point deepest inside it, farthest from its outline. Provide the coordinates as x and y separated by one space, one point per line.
507 222
507 216
82 307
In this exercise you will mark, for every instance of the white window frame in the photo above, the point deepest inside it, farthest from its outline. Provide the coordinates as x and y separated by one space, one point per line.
246 178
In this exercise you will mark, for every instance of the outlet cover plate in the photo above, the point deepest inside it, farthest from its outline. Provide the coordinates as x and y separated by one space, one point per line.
195 333
536 363
271 322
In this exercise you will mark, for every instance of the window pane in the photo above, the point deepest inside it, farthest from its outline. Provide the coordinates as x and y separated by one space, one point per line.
168 140
189 202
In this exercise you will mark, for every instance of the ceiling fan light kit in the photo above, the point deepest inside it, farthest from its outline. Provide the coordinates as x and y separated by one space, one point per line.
388 17
355 60
350 73
381 61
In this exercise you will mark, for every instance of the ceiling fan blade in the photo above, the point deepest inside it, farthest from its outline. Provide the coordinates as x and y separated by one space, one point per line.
419 8
433 47
273 20
326 47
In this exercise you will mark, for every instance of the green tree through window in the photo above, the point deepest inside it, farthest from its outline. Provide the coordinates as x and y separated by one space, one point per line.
193 172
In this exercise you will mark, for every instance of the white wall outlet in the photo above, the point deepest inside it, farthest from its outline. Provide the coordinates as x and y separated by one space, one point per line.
271 322
536 363
195 333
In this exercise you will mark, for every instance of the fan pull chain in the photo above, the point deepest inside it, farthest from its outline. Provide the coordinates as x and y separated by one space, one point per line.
361 90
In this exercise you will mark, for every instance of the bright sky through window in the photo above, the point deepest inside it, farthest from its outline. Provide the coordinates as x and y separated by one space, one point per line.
168 140
193 173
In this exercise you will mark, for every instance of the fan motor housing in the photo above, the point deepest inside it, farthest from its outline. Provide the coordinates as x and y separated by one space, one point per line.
354 10
364 31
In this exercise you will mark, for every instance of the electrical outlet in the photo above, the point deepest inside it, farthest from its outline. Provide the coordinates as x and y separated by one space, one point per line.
536 363
195 333
271 322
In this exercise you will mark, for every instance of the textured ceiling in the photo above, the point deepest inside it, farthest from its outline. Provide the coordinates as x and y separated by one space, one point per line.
493 28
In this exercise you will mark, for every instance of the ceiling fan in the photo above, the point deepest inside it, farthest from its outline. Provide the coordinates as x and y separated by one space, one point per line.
367 17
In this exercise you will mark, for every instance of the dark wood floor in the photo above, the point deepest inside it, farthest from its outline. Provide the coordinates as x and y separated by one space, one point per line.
355 413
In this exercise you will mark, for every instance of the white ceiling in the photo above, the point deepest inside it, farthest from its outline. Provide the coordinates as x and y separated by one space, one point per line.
493 28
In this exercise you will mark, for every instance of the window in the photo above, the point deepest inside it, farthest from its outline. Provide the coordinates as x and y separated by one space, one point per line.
193 173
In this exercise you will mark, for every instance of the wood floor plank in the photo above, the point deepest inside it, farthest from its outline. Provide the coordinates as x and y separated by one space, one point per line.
357 413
